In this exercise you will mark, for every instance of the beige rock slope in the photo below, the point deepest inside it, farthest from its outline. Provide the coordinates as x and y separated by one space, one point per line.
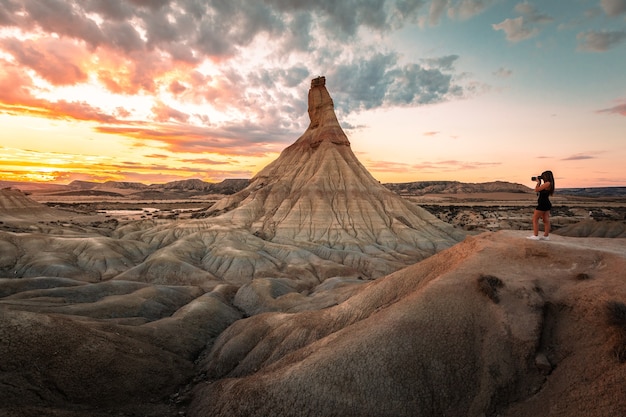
143 317
318 191
496 325
314 213
15 205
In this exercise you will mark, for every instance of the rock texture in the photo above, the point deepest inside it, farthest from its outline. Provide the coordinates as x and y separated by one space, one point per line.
456 187
497 325
318 192
15 205
592 228
268 306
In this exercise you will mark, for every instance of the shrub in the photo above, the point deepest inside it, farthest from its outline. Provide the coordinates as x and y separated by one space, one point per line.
616 317
489 285
617 314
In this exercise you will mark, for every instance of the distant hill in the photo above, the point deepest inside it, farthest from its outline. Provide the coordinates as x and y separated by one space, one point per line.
233 185
122 185
595 191
82 185
95 193
456 187
228 186
31 186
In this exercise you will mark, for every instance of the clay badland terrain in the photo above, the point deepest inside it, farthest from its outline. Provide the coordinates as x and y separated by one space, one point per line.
310 289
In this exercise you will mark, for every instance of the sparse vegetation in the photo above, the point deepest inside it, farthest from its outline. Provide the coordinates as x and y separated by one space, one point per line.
617 314
616 317
489 285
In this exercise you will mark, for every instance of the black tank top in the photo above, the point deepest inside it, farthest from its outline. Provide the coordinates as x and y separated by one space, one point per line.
543 202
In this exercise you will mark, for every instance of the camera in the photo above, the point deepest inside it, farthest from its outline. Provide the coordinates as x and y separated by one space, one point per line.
538 177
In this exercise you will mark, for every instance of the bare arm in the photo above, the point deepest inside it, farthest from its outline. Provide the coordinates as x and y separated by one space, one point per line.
540 186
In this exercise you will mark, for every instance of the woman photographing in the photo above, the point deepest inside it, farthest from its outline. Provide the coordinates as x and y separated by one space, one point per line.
542 211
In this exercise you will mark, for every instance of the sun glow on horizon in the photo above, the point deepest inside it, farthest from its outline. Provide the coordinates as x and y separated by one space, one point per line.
173 92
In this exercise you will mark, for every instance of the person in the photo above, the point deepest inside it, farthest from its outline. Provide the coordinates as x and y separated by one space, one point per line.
542 211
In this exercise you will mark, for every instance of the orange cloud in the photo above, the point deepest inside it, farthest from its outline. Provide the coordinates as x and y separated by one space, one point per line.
58 61
164 113
189 138
619 108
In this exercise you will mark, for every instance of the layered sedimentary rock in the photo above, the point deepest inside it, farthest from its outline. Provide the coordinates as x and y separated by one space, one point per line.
15 205
317 192
133 306
496 325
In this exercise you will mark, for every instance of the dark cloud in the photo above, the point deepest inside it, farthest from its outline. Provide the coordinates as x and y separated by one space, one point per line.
613 7
600 41
153 46
109 9
444 63
381 81
63 18
300 32
578 157
409 9
215 29
122 36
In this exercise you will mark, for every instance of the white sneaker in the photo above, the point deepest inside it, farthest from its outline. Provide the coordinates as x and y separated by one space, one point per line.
544 238
533 237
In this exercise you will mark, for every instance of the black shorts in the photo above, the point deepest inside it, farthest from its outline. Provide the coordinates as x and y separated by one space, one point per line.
544 206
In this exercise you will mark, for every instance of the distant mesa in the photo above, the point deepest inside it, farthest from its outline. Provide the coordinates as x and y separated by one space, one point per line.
122 185
456 187
82 185
227 186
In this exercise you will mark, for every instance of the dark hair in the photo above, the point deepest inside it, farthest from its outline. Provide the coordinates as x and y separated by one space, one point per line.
548 177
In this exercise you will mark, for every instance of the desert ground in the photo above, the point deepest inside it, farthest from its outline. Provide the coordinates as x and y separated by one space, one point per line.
473 211
91 345
309 290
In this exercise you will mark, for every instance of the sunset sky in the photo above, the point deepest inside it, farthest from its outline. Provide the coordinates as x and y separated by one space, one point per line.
154 91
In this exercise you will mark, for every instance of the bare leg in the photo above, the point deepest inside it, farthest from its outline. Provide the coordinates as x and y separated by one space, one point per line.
546 223
536 215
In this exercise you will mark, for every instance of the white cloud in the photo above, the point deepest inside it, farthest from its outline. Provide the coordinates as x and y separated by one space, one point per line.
516 29
524 26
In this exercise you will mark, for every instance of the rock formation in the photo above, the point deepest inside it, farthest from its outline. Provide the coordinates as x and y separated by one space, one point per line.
268 306
496 325
318 192
15 205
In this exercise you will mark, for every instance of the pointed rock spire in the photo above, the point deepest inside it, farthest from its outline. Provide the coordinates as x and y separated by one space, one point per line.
324 124
317 192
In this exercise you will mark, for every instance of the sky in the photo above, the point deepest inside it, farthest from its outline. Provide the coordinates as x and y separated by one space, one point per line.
154 91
